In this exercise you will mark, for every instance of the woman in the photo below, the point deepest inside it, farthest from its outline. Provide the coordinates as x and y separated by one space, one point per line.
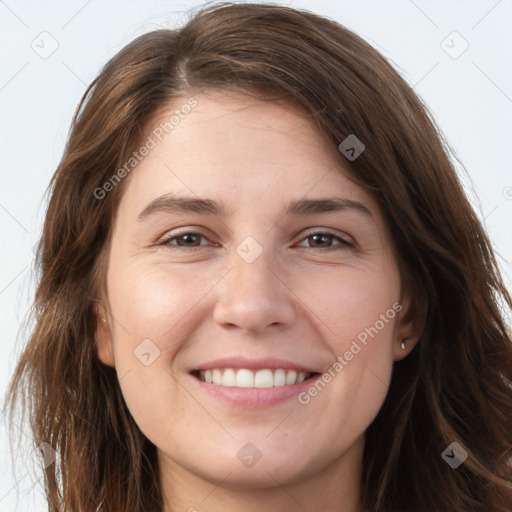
254 368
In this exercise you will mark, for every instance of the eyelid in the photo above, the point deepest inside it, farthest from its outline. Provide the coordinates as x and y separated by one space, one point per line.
326 231
170 236
345 243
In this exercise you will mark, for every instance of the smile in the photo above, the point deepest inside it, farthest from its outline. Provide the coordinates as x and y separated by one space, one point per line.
245 378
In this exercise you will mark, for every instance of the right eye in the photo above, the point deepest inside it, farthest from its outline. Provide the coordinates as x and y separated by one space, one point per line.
189 239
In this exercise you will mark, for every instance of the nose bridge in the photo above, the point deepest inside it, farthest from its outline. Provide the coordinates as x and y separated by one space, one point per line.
252 296
252 265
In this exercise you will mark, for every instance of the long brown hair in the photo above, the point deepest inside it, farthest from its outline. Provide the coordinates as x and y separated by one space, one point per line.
455 386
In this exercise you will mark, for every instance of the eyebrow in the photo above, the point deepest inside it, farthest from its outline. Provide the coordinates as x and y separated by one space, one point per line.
174 203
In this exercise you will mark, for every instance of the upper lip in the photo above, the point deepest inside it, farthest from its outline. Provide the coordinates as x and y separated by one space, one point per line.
254 364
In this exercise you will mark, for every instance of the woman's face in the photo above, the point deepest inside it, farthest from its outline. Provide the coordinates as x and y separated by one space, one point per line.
261 275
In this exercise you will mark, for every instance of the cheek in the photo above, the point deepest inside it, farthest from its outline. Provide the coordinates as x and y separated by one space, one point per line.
155 303
156 313
150 305
352 303
358 313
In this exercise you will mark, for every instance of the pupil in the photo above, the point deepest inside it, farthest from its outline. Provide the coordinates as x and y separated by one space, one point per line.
316 237
188 238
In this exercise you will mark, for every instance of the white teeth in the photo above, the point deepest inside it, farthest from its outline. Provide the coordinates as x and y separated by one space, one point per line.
279 378
243 378
217 377
291 377
301 376
229 377
263 379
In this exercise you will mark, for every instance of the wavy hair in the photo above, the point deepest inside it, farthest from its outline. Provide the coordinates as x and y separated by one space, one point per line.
456 383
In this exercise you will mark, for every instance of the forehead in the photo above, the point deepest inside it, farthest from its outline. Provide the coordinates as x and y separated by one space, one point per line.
243 150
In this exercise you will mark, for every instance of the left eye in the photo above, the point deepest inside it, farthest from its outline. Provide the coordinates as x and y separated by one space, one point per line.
318 236
192 240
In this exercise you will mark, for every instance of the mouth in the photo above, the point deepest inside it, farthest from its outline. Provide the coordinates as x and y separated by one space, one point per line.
245 382
248 378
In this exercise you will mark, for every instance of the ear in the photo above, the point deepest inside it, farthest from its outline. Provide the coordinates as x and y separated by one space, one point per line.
103 336
410 324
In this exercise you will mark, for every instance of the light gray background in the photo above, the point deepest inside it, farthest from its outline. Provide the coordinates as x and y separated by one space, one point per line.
470 95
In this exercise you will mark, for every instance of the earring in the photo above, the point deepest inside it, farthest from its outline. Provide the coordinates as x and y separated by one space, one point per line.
403 343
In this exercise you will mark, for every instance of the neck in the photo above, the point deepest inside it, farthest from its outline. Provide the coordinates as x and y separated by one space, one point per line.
334 488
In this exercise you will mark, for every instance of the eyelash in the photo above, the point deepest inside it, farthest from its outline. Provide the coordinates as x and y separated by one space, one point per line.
344 243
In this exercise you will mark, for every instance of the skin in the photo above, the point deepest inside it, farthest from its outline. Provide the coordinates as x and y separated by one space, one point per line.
298 300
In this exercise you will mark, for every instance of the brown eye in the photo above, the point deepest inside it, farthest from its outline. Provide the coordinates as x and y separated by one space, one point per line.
188 239
323 240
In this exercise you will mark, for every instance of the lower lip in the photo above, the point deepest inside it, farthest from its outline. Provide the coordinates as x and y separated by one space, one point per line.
254 397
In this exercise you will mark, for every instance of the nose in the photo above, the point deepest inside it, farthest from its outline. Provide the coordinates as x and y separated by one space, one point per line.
255 296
